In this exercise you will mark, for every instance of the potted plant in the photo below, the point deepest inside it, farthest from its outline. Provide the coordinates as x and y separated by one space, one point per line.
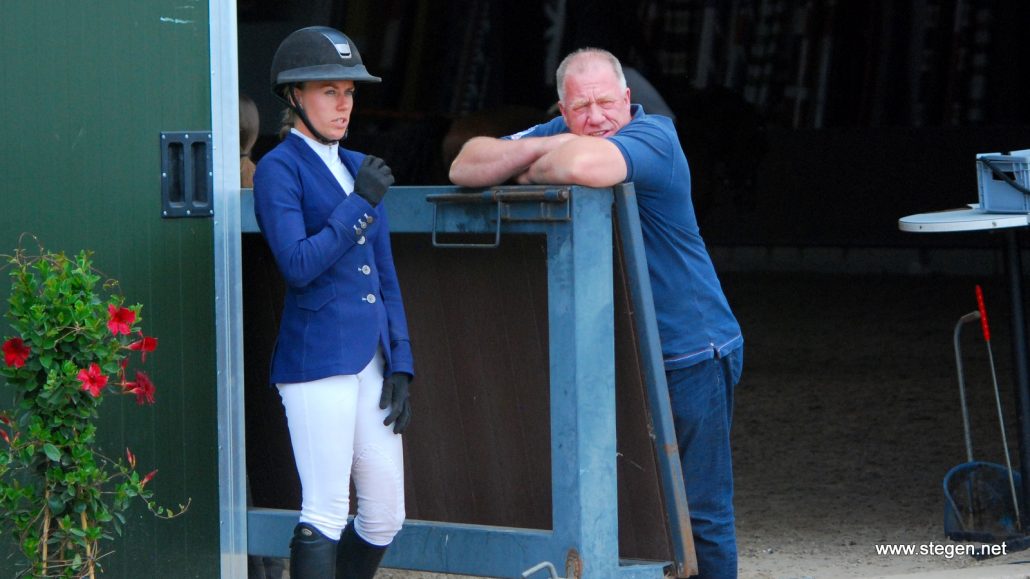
62 499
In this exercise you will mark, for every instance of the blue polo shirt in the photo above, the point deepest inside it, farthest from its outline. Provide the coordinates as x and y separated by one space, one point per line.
695 322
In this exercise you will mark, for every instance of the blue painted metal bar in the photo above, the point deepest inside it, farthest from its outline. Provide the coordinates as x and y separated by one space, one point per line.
584 536
521 193
248 222
660 408
497 231
582 355
269 531
424 545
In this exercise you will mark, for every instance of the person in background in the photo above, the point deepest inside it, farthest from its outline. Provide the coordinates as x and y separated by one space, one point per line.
342 361
601 140
250 128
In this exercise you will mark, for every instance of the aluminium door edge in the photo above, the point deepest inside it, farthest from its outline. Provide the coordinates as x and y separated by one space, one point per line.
232 502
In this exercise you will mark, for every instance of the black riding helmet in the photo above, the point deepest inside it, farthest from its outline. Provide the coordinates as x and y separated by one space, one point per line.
315 53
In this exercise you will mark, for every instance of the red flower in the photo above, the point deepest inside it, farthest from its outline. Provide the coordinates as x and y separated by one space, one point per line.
121 319
93 380
131 457
144 344
15 352
3 435
143 388
147 478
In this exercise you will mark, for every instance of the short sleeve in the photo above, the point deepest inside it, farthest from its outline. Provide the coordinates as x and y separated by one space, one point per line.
648 152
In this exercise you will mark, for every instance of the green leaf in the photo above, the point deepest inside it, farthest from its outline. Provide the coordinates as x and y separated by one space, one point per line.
56 504
52 452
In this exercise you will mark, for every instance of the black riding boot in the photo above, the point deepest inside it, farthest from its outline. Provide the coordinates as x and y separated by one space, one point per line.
357 558
312 554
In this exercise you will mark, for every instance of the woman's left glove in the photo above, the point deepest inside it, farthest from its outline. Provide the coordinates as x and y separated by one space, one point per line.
373 179
395 397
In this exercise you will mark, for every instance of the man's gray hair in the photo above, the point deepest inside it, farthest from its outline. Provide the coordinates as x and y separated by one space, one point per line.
563 68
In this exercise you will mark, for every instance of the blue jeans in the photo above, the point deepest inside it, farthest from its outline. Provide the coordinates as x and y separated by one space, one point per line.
702 410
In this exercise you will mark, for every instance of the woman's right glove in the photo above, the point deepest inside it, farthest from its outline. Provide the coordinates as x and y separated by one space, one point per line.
373 179
395 397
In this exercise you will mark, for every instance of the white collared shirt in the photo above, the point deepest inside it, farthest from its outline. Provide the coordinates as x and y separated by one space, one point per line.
330 155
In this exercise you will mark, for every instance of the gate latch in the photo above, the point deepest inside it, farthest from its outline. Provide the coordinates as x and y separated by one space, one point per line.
527 203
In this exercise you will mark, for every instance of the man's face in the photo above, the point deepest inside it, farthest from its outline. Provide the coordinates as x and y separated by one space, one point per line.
328 105
594 105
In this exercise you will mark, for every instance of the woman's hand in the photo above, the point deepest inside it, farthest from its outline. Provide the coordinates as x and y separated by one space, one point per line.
395 397
373 179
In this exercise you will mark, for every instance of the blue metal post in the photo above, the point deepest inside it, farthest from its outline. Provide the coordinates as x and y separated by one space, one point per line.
582 354
654 377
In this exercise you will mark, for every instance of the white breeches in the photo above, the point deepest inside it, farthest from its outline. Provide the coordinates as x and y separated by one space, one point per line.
337 432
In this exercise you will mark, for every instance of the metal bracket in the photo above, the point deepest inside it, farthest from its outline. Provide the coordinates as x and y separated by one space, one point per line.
573 567
187 176
497 233
525 203
542 565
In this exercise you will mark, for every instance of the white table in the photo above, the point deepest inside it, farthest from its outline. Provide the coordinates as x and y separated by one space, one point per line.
957 220
972 218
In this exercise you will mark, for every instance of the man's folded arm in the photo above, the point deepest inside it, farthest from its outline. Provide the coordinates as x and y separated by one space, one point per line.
582 160
487 161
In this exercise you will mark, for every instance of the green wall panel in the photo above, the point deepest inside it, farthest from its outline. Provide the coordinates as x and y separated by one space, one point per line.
87 88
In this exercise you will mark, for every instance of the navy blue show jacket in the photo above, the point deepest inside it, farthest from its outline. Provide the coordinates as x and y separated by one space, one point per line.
342 298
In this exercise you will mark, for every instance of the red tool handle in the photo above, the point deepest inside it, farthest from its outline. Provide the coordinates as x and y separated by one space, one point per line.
983 313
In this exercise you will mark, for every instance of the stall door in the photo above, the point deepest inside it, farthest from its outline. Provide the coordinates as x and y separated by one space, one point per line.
87 88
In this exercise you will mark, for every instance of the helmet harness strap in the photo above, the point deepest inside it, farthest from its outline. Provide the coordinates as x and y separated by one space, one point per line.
297 108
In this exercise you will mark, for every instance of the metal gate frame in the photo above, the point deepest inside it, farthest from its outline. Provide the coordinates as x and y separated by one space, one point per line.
584 536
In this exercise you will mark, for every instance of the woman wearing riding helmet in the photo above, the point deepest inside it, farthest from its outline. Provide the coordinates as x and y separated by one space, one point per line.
342 362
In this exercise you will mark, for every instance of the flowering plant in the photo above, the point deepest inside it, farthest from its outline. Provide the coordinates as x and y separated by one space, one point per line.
59 496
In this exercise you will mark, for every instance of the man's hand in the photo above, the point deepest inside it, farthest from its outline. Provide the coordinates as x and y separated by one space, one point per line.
373 179
395 397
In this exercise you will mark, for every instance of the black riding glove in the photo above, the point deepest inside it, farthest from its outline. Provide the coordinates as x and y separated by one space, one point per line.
395 397
373 179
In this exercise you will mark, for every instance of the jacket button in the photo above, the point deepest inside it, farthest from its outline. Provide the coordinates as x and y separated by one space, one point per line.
361 240
370 298
366 270
368 218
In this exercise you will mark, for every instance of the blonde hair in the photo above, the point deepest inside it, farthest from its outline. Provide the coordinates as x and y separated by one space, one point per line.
289 117
250 123
287 122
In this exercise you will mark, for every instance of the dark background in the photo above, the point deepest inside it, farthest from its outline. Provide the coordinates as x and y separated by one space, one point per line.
807 123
